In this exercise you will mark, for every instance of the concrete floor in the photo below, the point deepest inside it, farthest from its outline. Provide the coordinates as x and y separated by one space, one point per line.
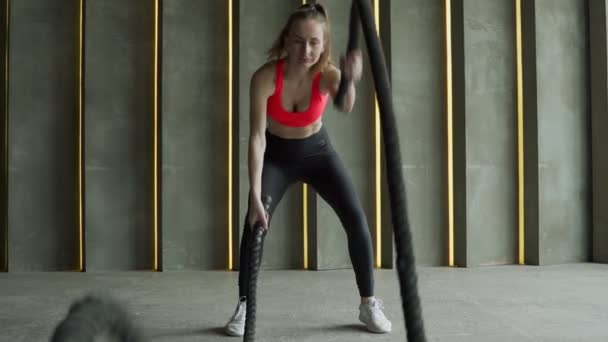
490 304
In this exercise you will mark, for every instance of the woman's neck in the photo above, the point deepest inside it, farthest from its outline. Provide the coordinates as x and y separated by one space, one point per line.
295 71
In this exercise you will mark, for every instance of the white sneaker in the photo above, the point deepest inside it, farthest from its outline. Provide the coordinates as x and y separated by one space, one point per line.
372 316
236 325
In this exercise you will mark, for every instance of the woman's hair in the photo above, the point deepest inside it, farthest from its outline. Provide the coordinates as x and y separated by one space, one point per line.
308 11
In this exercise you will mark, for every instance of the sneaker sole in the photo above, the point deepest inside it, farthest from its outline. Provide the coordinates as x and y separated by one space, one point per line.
375 331
233 333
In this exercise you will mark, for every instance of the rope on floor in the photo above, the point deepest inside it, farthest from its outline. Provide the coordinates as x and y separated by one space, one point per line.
97 315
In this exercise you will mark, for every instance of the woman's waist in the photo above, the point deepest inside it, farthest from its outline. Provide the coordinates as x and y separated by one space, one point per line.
295 148
283 131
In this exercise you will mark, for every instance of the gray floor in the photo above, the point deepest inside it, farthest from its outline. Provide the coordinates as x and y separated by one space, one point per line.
508 303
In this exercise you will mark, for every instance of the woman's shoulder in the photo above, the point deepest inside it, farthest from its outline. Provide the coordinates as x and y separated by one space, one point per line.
264 77
330 77
266 70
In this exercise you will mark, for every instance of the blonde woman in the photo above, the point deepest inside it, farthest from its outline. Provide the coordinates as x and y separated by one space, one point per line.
288 144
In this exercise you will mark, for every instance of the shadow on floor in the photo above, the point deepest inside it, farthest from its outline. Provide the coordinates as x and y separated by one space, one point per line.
186 332
170 334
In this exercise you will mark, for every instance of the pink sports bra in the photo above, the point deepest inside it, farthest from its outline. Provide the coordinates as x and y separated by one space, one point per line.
296 119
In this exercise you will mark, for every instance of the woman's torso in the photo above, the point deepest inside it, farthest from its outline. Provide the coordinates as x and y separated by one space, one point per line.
291 116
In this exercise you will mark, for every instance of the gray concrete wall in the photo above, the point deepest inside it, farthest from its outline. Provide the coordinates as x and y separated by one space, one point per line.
118 134
195 135
259 24
563 114
42 136
599 123
491 132
418 80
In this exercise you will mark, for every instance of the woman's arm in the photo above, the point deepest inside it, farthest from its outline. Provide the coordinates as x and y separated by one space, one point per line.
352 68
257 129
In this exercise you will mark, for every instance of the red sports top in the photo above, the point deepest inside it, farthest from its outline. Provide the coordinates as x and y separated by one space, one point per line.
295 119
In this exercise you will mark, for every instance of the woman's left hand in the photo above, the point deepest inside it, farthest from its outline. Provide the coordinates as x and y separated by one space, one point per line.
351 65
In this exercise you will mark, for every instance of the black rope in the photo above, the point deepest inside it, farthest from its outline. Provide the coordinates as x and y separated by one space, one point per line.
353 44
406 269
255 261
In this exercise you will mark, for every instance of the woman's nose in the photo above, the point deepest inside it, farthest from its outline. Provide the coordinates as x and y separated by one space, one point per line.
307 48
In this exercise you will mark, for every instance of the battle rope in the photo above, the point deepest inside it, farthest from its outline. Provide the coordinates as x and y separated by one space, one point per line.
97 315
255 260
408 280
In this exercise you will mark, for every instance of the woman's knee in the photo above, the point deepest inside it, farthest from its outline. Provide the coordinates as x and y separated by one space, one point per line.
355 221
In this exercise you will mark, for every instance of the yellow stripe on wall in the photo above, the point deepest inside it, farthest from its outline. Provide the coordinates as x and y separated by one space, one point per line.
450 135
305 216
377 160
155 167
520 133
230 223
305 224
81 266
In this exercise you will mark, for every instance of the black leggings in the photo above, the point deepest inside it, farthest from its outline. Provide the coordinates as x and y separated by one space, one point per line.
314 161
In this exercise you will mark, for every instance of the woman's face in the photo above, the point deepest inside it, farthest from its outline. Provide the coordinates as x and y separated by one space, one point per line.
305 42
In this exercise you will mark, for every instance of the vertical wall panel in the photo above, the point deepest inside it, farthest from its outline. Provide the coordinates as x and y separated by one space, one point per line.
4 24
530 129
259 24
118 128
387 240
352 136
491 136
42 126
599 123
194 134
456 118
556 113
563 114
418 76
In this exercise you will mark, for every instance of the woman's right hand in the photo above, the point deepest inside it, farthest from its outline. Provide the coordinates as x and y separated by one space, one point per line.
257 212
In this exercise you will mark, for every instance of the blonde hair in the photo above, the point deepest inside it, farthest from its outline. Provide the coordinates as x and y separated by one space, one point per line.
308 11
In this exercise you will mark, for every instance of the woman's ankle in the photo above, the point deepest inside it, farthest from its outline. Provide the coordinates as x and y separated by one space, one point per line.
365 300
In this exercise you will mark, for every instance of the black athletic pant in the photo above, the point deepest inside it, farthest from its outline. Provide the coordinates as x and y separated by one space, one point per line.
314 161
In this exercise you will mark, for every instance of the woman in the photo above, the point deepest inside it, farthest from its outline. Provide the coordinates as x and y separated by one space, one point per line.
288 143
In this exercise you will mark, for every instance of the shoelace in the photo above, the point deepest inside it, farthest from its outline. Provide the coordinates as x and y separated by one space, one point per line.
240 311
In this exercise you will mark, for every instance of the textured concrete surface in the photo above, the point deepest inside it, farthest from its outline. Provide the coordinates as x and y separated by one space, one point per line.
506 303
118 134
418 80
563 131
491 132
42 136
195 128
